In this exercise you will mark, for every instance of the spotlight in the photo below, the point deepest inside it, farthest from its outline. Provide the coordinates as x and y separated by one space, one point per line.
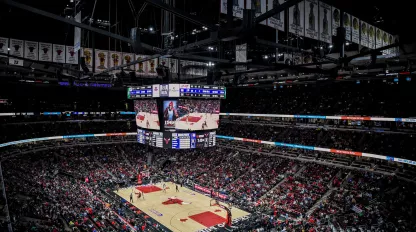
151 28
266 57
347 43
331 46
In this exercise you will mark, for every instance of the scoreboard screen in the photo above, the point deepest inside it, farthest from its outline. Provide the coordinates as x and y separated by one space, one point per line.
177 140
177 90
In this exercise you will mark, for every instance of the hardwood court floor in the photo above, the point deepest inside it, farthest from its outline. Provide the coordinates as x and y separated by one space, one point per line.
192 214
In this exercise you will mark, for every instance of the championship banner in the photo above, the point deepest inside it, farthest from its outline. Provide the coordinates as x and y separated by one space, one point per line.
371 37
379 39
127 59
58 54
325 26
355 30
297 58
391 41
101 60
45 52
115 60
87 54
152 67
71 55
4 45
297 19
277 21
312 19
140 70
347 25
364 34
336 20
238 6
259 6
16 47
287 59
386 42
31 50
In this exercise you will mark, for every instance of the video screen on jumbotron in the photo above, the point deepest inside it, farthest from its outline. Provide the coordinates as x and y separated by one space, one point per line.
147 114
191 114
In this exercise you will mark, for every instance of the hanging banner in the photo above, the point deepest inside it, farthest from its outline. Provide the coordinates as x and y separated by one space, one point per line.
58 53
379 39
16 47
241 56
297 58
77 33
128 58
45 52
347 25
101 60
31 50
364 34
297 19
391 41
115 60
336 20
173 65
287 59
385 42
259 6
355 30
371 36
140 69
87 54
4 45
238 6
325 29
277 21
312 19
71 55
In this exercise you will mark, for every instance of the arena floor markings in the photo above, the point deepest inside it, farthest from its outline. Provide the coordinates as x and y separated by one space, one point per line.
181 211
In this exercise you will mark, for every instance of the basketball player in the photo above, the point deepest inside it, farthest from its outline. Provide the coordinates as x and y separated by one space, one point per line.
164 187
131 196
177 188
170 113
139 194
147 124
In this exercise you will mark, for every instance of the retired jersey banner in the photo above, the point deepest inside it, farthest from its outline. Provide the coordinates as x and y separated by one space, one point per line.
297 19
45 52
71 55
151 67
259 7
364 34
277 21
238 6
347 25
4 45
101 60
173 65
312 19
115 60
31 50
87 54
371 36
355 30
16 47
127 59
325 27
336 20
379 37
58 53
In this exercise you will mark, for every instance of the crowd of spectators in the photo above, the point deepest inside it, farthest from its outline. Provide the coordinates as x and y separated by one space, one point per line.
72 188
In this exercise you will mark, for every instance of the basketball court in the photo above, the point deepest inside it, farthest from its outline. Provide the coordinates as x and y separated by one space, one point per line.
181 211
148 120
195 121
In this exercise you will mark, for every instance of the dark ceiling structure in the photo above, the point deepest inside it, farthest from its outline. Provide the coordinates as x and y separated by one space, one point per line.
201 33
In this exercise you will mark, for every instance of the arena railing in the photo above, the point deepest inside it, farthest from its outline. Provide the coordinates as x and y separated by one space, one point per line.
278 144
339 117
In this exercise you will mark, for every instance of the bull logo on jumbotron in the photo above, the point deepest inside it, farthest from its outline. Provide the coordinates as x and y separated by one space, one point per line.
167 140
